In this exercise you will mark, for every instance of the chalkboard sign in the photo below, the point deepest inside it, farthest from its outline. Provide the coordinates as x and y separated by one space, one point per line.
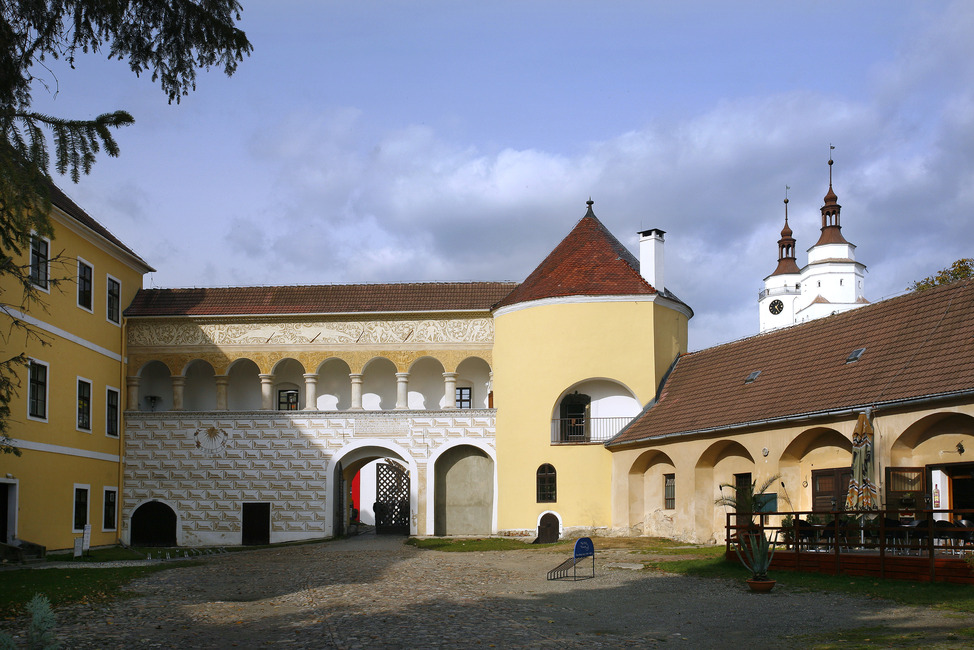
584 548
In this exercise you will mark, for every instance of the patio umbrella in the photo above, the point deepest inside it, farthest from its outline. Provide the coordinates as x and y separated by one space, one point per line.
863 494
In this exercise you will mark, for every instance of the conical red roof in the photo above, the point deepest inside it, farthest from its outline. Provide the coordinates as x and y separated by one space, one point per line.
590 261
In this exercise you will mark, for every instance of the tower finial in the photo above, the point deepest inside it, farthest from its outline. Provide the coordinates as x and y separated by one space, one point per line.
787 187
831 149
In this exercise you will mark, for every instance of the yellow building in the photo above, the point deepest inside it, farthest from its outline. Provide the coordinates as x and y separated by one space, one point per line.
580 346
67 416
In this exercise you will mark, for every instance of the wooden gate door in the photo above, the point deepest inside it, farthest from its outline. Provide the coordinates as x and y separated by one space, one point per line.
392 500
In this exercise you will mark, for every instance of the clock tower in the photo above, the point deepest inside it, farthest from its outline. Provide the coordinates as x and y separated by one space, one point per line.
831 282
776 303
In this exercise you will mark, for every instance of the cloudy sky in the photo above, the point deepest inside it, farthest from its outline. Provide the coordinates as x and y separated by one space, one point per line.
440 141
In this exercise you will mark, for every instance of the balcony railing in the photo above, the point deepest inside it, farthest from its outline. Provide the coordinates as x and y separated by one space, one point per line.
586 430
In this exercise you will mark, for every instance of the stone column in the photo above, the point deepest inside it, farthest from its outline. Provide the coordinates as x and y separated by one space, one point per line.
178 383
311 391
356 380
402 390
222 381
266 392
132 397
450 386
490 389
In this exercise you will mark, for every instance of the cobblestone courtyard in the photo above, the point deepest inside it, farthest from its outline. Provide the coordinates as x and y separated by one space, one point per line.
377 592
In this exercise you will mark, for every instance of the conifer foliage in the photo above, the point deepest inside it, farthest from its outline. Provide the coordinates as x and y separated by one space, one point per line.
167 39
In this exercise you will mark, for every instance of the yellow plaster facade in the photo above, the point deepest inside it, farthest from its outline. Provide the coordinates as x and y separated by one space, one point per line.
69 471
546 350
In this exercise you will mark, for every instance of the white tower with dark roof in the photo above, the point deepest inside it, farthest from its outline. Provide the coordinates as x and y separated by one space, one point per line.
831 282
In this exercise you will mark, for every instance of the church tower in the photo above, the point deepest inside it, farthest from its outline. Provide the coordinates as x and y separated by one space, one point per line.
776 304
831 282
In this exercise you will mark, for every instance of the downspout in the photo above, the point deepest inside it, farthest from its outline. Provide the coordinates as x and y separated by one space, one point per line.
122 395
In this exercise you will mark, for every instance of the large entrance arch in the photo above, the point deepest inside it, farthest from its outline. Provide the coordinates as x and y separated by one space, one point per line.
463 500
153 524
395 504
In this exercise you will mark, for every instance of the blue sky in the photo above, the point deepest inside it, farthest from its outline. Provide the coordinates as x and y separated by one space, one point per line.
442 141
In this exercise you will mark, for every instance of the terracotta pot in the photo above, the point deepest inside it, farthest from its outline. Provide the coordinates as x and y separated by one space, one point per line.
761 586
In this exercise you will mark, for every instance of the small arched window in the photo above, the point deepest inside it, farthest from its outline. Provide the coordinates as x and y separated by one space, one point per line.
547 484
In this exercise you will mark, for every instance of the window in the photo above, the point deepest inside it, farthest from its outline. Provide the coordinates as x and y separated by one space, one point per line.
547 484
669 491
37 390
84 284
287 400
111 412
109 509
84 404
39 262
80 507
114 310
464 400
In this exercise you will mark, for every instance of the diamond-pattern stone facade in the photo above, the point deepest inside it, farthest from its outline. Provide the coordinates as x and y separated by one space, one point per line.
205 465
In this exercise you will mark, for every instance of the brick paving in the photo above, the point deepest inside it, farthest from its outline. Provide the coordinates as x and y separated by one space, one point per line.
369 592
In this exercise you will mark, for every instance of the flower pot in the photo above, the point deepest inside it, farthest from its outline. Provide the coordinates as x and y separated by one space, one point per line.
761 586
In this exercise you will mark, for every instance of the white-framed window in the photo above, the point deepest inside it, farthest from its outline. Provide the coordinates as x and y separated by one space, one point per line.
38 379
109 510
113 310
86 283
112 396
84 404
40 262
80 512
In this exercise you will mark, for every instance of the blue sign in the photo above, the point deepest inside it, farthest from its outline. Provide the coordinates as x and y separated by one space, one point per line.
584 548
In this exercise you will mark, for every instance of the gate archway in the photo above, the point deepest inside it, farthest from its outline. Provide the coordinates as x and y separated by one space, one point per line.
396 486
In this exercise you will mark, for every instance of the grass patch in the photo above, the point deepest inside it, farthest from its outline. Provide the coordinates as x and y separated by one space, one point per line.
942 595
481 544
65 586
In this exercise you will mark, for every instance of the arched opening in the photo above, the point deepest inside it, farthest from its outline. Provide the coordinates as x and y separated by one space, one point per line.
426 386
153 524
334 386
817 464
288 391
932 466
594 410
243 386
725 462
155 387
474 374
463 499
379 385
392 508
548 529
652 492
199 393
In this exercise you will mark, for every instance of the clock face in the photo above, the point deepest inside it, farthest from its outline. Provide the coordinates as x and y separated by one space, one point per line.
776 306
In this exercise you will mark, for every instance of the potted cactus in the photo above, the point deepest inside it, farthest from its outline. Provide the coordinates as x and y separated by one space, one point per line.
755 551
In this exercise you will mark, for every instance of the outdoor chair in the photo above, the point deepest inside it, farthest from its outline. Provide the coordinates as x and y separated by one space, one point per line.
808 534
965 537
945 531
917 532
895 534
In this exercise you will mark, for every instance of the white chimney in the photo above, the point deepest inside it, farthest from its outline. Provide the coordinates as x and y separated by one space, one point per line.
651 257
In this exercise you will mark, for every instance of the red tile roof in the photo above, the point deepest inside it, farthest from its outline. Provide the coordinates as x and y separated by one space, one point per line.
73 210
590 261
319 299
916 346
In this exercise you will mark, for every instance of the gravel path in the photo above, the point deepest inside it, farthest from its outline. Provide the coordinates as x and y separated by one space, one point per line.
372 591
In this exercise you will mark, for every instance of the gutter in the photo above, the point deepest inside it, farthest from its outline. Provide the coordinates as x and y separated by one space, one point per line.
803 417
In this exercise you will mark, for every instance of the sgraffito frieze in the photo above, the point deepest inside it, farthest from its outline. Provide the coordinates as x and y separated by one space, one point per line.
366 332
